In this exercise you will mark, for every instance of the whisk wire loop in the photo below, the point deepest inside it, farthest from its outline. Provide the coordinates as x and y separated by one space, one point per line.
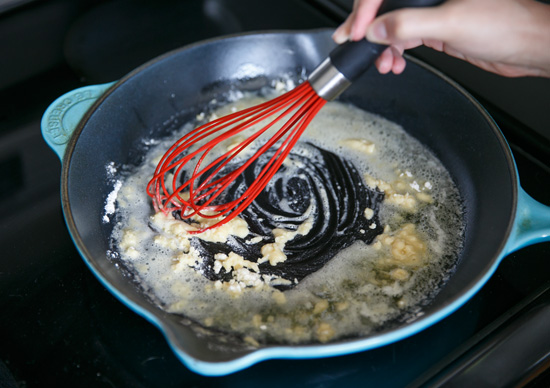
236 150
197 195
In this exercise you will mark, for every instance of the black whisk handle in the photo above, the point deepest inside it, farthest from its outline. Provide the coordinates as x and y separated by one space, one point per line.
354 58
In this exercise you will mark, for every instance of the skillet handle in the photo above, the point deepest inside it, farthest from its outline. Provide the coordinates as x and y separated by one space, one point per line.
354 58
532 223
63 115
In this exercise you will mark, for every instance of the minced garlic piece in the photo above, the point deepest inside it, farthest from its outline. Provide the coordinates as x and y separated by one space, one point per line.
369 213
406 247
208 321
362 145
254 240
186 260
276 281
406 200
251 341
320 306
257 321
167 223
279 297
178 306
132 253
248 278
235 261
378 183
129 239
342 306
424 197
273 252
172 243
235 142
404 192
128 243
399 274
234 288
324 332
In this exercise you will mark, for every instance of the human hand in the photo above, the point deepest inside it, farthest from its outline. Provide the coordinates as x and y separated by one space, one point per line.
507 37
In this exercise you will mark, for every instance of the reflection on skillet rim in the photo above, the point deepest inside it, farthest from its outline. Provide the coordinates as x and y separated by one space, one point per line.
224 363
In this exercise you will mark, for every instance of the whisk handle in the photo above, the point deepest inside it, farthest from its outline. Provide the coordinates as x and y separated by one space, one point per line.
351 59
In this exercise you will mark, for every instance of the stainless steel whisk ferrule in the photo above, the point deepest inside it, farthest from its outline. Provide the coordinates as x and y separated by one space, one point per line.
327 81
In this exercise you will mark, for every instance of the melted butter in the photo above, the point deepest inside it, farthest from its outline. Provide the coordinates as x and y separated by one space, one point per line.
360 289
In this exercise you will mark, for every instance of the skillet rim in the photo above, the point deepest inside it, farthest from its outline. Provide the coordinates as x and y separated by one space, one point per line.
258 354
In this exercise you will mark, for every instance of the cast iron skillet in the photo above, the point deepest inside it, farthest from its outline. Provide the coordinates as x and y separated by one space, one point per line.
93 126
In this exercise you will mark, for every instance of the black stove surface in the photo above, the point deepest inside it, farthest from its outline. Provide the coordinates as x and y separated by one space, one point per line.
60 327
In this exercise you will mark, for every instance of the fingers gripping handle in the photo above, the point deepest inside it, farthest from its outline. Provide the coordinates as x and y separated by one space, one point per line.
354 58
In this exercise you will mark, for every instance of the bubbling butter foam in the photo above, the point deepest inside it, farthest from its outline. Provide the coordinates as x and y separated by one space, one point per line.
361 288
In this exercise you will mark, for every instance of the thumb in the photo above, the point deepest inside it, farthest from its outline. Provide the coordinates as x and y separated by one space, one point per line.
407 25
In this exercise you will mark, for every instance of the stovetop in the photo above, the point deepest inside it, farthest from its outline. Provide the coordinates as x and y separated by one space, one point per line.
60 327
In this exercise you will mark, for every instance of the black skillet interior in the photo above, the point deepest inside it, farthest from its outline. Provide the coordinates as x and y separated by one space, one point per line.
170 89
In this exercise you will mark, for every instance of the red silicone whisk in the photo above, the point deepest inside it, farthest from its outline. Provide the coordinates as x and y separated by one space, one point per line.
286 117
